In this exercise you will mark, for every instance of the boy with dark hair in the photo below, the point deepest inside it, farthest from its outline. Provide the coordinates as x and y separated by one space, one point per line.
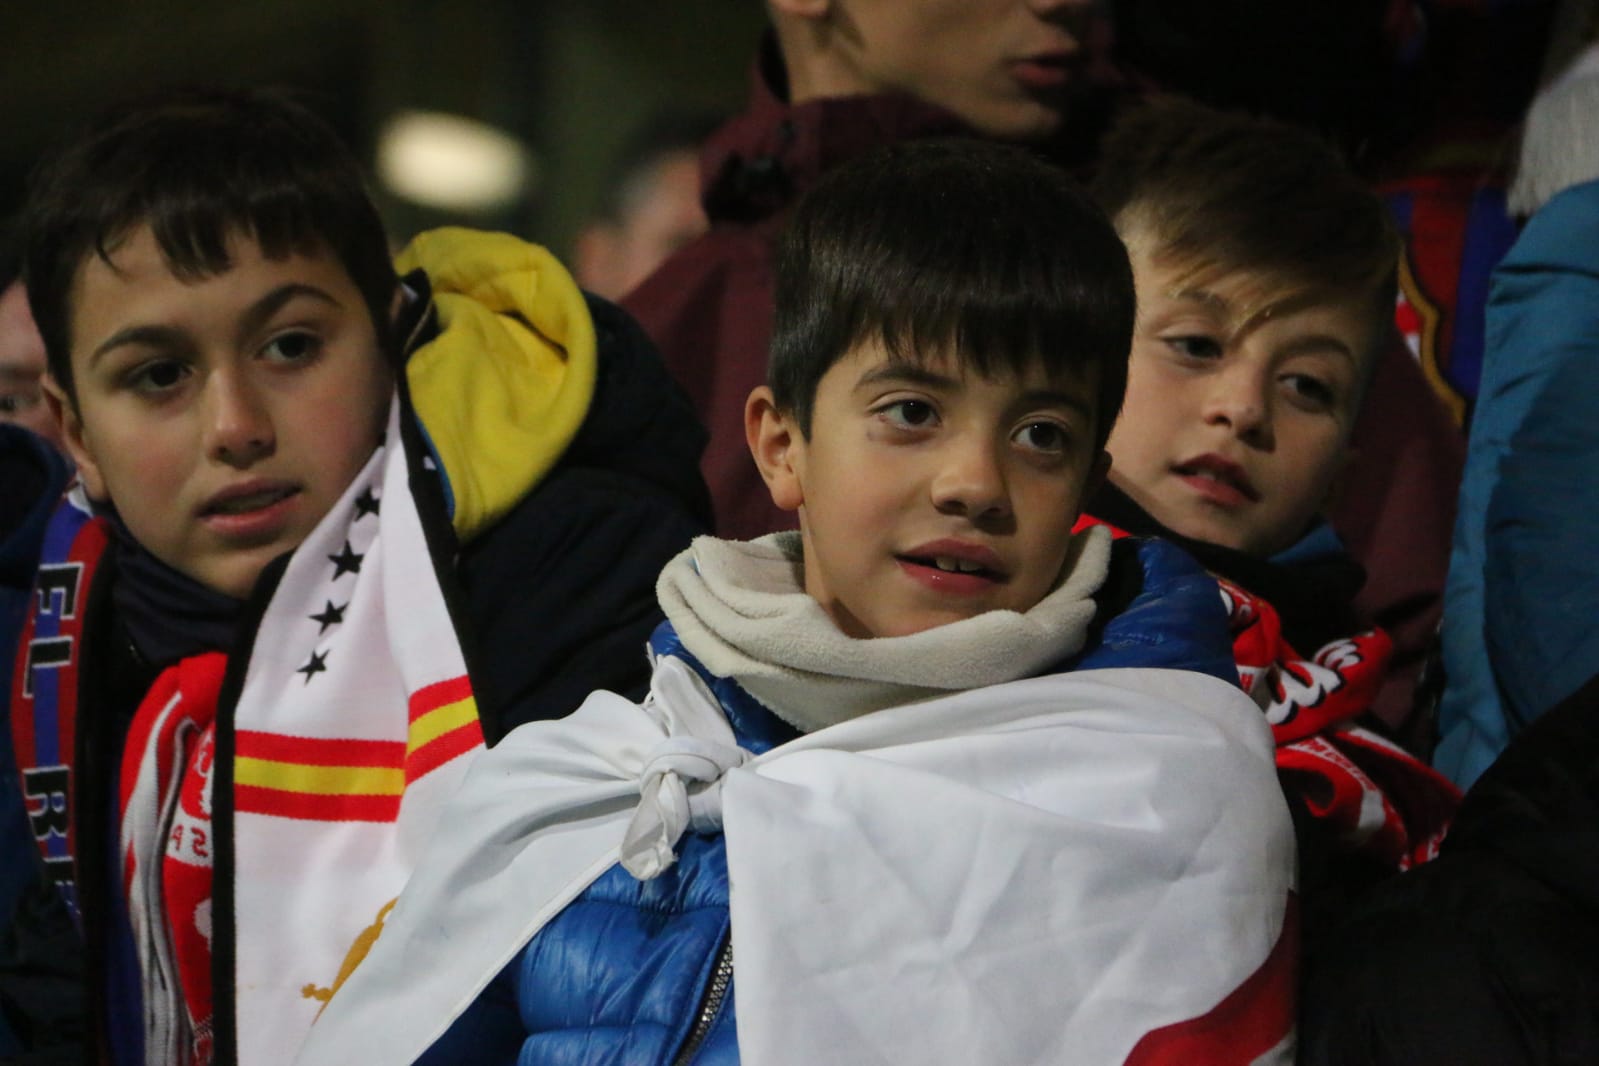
334 531
928 780
1265 274
832 80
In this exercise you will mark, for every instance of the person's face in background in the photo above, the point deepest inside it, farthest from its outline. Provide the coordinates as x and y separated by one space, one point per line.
1235 428
22 368
660 212
1006 67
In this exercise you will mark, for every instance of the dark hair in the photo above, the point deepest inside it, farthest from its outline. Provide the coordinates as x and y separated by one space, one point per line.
1219 192
978 248
198 166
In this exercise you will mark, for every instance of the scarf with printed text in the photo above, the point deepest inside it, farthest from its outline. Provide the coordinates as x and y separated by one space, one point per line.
1376 798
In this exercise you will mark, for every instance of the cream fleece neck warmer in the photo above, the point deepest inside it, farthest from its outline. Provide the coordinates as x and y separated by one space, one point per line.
740 607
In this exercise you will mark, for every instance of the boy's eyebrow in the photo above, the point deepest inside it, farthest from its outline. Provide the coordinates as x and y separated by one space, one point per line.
153 336
254 317
260 312
1314 342
1319 342
1203 296
909 373
1055 398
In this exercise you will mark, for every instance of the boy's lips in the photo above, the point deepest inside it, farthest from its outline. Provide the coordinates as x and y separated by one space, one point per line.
251 510
951 565
1046 70
1218 479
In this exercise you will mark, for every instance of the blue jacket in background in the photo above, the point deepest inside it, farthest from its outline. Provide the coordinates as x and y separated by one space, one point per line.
640 972
1529 475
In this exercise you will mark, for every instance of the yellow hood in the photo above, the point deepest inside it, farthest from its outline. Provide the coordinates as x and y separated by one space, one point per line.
506 384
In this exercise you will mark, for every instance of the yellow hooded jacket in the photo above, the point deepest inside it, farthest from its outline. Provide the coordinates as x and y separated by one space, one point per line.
505 385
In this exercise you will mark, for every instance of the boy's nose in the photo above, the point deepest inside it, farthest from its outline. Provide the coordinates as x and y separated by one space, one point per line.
970 481
1240 400
239 427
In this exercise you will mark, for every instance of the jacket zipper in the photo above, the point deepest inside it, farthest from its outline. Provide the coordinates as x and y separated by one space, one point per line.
711 1005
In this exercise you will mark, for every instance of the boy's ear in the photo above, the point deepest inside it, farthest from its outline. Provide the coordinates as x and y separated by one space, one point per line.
778 447
72 438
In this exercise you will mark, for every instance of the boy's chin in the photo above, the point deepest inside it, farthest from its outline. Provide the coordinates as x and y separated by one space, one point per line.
1260 543
235 578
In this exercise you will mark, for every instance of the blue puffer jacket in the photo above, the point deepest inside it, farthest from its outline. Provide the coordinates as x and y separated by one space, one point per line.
1532 415
635 972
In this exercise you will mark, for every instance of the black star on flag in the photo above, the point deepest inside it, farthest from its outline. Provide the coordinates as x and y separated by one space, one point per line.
346 562
365 504
315 665
330 615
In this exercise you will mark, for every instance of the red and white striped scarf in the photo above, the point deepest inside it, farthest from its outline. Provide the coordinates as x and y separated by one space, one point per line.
166 851
1378 798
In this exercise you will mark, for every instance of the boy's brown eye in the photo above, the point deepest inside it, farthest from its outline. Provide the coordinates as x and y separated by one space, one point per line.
1310 391
1042 436
290 347
158 376
909 412
1195 347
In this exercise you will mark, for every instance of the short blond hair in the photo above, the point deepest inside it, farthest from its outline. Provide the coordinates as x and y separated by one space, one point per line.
1218 192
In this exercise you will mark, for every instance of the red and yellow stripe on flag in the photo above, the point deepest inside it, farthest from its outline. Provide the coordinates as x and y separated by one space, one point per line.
318 779
444 724
348 780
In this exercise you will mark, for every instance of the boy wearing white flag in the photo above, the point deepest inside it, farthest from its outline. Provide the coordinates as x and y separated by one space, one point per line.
931 780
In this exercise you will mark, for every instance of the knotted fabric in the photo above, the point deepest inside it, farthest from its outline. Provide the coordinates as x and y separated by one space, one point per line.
667 806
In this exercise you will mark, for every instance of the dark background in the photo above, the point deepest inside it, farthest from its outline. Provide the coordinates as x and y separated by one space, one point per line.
570 77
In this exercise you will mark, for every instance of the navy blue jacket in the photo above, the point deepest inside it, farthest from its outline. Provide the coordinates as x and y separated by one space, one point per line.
32 477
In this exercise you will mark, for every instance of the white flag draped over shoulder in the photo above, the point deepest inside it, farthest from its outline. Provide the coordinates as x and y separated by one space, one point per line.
354 722
1085 868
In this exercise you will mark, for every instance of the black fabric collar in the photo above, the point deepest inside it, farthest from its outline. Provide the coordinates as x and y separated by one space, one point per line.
1312 593
168 615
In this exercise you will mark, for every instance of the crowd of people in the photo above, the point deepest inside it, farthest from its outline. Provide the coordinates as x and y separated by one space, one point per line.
990 589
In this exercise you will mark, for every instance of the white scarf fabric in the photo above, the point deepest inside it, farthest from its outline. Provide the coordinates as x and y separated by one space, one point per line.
354 723
740 607
1091 867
